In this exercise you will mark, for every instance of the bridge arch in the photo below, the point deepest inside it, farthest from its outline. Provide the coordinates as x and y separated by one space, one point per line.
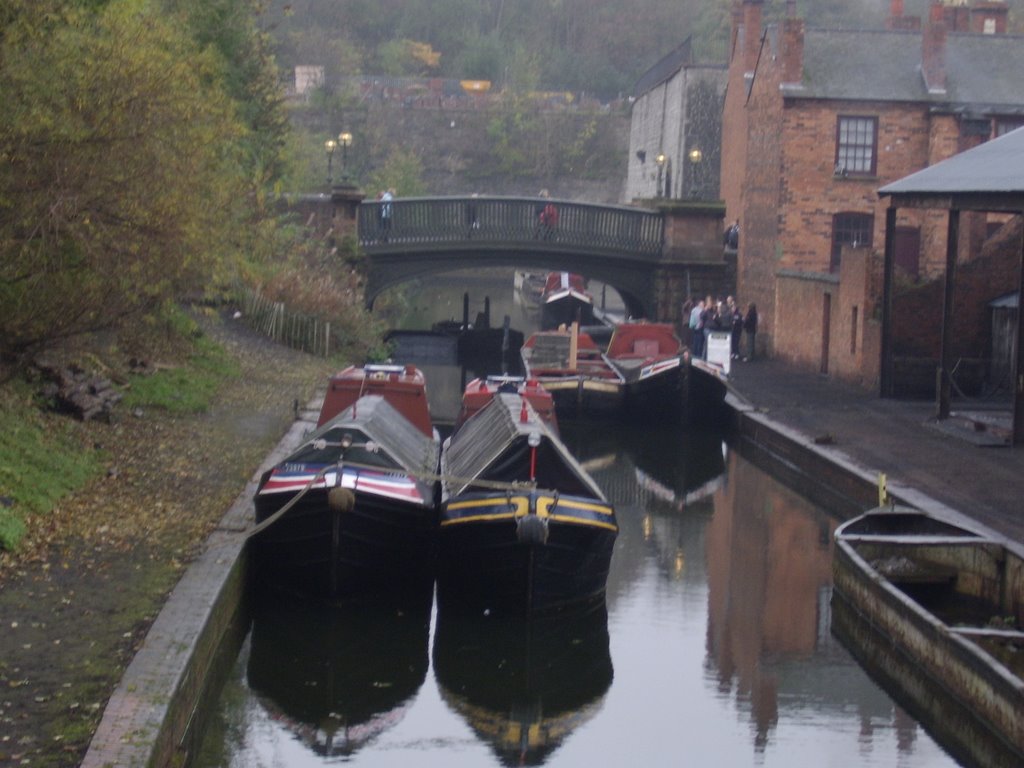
415 237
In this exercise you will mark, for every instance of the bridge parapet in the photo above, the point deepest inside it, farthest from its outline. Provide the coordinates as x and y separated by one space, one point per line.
472 221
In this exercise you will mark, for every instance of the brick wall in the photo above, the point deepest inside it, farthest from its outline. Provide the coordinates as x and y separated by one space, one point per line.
854 323
917 309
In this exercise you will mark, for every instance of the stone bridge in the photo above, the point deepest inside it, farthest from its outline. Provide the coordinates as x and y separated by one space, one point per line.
654 257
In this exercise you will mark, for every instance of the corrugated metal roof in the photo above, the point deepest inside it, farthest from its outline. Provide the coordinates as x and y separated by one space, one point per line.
997 166
491 434
378 420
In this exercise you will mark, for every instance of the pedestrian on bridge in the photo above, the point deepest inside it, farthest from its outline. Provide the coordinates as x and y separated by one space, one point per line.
547 216
385 213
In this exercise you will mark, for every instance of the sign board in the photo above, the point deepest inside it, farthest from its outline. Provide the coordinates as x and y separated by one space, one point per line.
720 349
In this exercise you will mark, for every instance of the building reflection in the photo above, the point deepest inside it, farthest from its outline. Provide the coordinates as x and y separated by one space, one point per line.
769 574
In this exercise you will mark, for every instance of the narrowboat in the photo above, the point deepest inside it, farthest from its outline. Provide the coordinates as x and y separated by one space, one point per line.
480 391
523 528
577 373
352 512
565 300
948 603
652 361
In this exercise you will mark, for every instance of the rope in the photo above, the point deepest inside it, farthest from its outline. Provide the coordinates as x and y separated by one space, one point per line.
514 486
291 502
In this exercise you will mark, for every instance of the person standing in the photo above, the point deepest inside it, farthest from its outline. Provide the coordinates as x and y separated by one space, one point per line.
737 328
697 330
471 214
750 328
385 213
708 322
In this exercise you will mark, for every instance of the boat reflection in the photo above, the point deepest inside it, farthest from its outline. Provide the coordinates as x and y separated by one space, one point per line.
524 685
334 675
659 468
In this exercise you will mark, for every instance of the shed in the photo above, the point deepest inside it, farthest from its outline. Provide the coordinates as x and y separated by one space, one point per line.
988 178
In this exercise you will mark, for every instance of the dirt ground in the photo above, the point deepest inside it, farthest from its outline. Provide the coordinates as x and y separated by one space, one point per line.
77 601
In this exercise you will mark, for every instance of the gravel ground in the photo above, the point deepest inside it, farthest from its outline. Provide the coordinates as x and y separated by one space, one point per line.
76 603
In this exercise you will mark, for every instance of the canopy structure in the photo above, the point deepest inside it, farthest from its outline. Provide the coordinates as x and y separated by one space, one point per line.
987 178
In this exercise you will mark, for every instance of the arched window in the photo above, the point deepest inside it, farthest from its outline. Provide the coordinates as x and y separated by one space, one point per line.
853 229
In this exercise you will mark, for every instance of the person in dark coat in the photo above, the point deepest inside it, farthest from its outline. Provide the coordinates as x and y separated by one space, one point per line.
750 328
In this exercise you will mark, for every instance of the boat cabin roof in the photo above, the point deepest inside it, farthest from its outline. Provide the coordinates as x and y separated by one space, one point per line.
494 445
404 386
644 340
480 392
373 419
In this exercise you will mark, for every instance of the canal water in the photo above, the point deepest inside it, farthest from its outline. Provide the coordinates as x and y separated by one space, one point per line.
713 647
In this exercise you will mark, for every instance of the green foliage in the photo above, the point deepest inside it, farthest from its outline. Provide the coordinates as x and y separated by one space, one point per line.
40 462
121 177
402 170
185 389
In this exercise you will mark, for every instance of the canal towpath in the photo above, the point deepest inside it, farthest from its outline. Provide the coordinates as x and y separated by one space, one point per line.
962 463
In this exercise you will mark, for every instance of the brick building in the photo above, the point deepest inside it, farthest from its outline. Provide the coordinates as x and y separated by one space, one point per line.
815 122
675 129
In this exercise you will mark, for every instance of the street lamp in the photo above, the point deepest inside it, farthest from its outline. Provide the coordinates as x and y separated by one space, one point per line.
344 141
660 160
330 146
696 183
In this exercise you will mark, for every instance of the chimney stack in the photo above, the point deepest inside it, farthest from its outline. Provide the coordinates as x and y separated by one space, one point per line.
897 20
751 33
933 51
793 50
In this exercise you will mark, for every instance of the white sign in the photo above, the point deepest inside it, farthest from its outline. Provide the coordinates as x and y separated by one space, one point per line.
720 349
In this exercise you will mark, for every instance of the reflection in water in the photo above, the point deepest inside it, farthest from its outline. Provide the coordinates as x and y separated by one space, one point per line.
524 685
717 619
336 676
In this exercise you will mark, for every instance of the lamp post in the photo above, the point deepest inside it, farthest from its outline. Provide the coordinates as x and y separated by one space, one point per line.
329 147
695 157
344 141
660 160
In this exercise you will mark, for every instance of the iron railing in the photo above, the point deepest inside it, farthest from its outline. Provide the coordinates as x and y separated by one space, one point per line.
445 221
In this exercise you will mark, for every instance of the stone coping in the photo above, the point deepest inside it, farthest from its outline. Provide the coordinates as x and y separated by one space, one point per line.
149 715
147 719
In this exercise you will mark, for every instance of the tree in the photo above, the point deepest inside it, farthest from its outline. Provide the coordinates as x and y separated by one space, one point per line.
121 177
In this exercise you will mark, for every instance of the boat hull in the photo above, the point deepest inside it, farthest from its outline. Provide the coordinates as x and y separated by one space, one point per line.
498 556
576 396
380 546
566 310
931 590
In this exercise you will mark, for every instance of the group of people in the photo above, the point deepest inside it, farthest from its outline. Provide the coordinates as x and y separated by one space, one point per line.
705 316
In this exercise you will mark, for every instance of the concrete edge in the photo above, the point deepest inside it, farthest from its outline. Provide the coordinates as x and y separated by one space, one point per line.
148 718
825 473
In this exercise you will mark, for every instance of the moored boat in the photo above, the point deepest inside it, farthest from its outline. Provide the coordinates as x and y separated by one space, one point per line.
523 528
950 602
352 512
574 369
479 393
651 359
565 300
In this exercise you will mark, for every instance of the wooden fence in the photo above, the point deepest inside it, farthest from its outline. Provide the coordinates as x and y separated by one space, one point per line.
294 329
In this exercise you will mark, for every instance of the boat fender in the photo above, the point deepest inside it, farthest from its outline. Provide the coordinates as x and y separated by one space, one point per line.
531 529
341 499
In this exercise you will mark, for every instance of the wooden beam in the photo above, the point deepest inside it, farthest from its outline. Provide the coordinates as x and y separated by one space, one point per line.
944 385
886 367
1018 374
